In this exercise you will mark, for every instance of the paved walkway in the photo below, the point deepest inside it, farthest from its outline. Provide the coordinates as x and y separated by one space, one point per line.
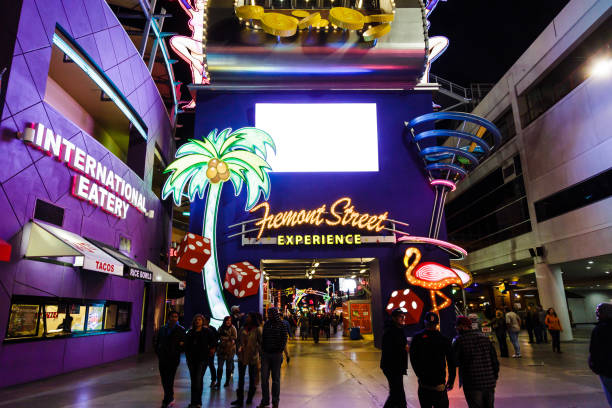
335 373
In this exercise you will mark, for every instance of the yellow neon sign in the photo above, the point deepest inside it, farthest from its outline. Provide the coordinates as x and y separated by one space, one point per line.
341 212
327 239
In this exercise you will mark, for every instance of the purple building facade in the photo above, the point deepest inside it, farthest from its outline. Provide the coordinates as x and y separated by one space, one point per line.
28 176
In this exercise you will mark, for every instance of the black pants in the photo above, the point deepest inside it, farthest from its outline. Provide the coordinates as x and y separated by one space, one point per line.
530 333
196 373
315 334
397 396
242 368
433 399
503 345
480 398
327 331
229 368
211 367
556 339
270 365
167 371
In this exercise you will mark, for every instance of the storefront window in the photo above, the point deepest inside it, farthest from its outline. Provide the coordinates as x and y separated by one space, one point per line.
23 321
41 317
110 319
95 317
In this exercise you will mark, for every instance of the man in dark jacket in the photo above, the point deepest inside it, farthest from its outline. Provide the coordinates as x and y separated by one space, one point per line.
394 359
274 340
478 365
430 354
600 350
168 344
214 342
315 326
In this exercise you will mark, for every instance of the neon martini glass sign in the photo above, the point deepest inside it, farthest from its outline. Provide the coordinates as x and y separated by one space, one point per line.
203 166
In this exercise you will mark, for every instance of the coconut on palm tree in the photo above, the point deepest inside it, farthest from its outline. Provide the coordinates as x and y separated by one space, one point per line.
203 166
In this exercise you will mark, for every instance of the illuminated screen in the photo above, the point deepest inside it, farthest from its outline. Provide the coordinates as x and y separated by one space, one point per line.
320 137
348 285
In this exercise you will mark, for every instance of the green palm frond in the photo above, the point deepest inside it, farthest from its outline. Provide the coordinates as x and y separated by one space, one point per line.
244 151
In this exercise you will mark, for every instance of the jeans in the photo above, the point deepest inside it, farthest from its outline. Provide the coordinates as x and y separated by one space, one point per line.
555 335
270 364
433 399
515 341
503 346
196 373
397 396
229 368
480 398
606 382
242 368
167 371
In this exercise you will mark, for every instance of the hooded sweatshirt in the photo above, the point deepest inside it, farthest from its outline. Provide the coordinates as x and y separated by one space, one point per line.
274 337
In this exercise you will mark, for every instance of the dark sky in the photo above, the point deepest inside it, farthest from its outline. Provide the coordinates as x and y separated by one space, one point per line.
487 37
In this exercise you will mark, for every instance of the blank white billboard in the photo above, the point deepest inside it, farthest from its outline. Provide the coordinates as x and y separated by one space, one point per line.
320 137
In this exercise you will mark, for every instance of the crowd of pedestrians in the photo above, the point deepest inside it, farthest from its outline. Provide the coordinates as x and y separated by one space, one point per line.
259 347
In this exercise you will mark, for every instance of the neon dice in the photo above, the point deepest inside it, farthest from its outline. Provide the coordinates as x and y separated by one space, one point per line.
193 253
409 302
242 279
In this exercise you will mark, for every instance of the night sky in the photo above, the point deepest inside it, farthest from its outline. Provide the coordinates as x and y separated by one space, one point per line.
487 37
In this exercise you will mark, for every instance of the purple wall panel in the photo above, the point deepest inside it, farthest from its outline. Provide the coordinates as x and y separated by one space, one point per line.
31 31
22 360
83 352
97 30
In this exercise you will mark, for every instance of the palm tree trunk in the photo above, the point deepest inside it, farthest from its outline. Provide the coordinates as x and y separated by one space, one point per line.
210 275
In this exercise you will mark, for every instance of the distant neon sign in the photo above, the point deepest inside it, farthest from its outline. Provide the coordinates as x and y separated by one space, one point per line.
341 212
95 183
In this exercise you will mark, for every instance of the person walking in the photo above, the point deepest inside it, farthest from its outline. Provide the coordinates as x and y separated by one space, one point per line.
289 334
430 355
168 344
249 348
304 323
531 322
226 349
513 325
315 324
326 324
478 365
274 339
554 327
600 352
500 328
542 324
394 359
197 351
212 350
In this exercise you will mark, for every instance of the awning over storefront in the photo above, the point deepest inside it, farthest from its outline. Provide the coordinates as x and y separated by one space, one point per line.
131 268
159 275
52 244
5 251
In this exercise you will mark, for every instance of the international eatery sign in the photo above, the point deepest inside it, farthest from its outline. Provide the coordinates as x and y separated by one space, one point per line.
340 214
94 182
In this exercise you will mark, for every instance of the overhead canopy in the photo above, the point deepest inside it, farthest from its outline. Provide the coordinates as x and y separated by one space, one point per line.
53 244
131 269
159 275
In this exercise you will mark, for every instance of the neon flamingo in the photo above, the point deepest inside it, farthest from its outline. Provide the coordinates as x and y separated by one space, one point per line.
191 49
430 275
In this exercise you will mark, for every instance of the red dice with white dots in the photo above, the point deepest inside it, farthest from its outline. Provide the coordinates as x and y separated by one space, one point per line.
409 302
242 279
193 253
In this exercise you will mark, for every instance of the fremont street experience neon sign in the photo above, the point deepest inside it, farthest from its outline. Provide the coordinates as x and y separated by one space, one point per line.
341 213
95 183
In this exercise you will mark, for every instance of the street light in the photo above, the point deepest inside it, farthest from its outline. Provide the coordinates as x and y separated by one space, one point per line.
602 67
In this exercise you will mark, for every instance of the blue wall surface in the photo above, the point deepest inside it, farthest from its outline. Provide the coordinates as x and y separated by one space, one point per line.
399 187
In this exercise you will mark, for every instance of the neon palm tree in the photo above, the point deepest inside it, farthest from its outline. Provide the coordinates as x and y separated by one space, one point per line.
206 164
